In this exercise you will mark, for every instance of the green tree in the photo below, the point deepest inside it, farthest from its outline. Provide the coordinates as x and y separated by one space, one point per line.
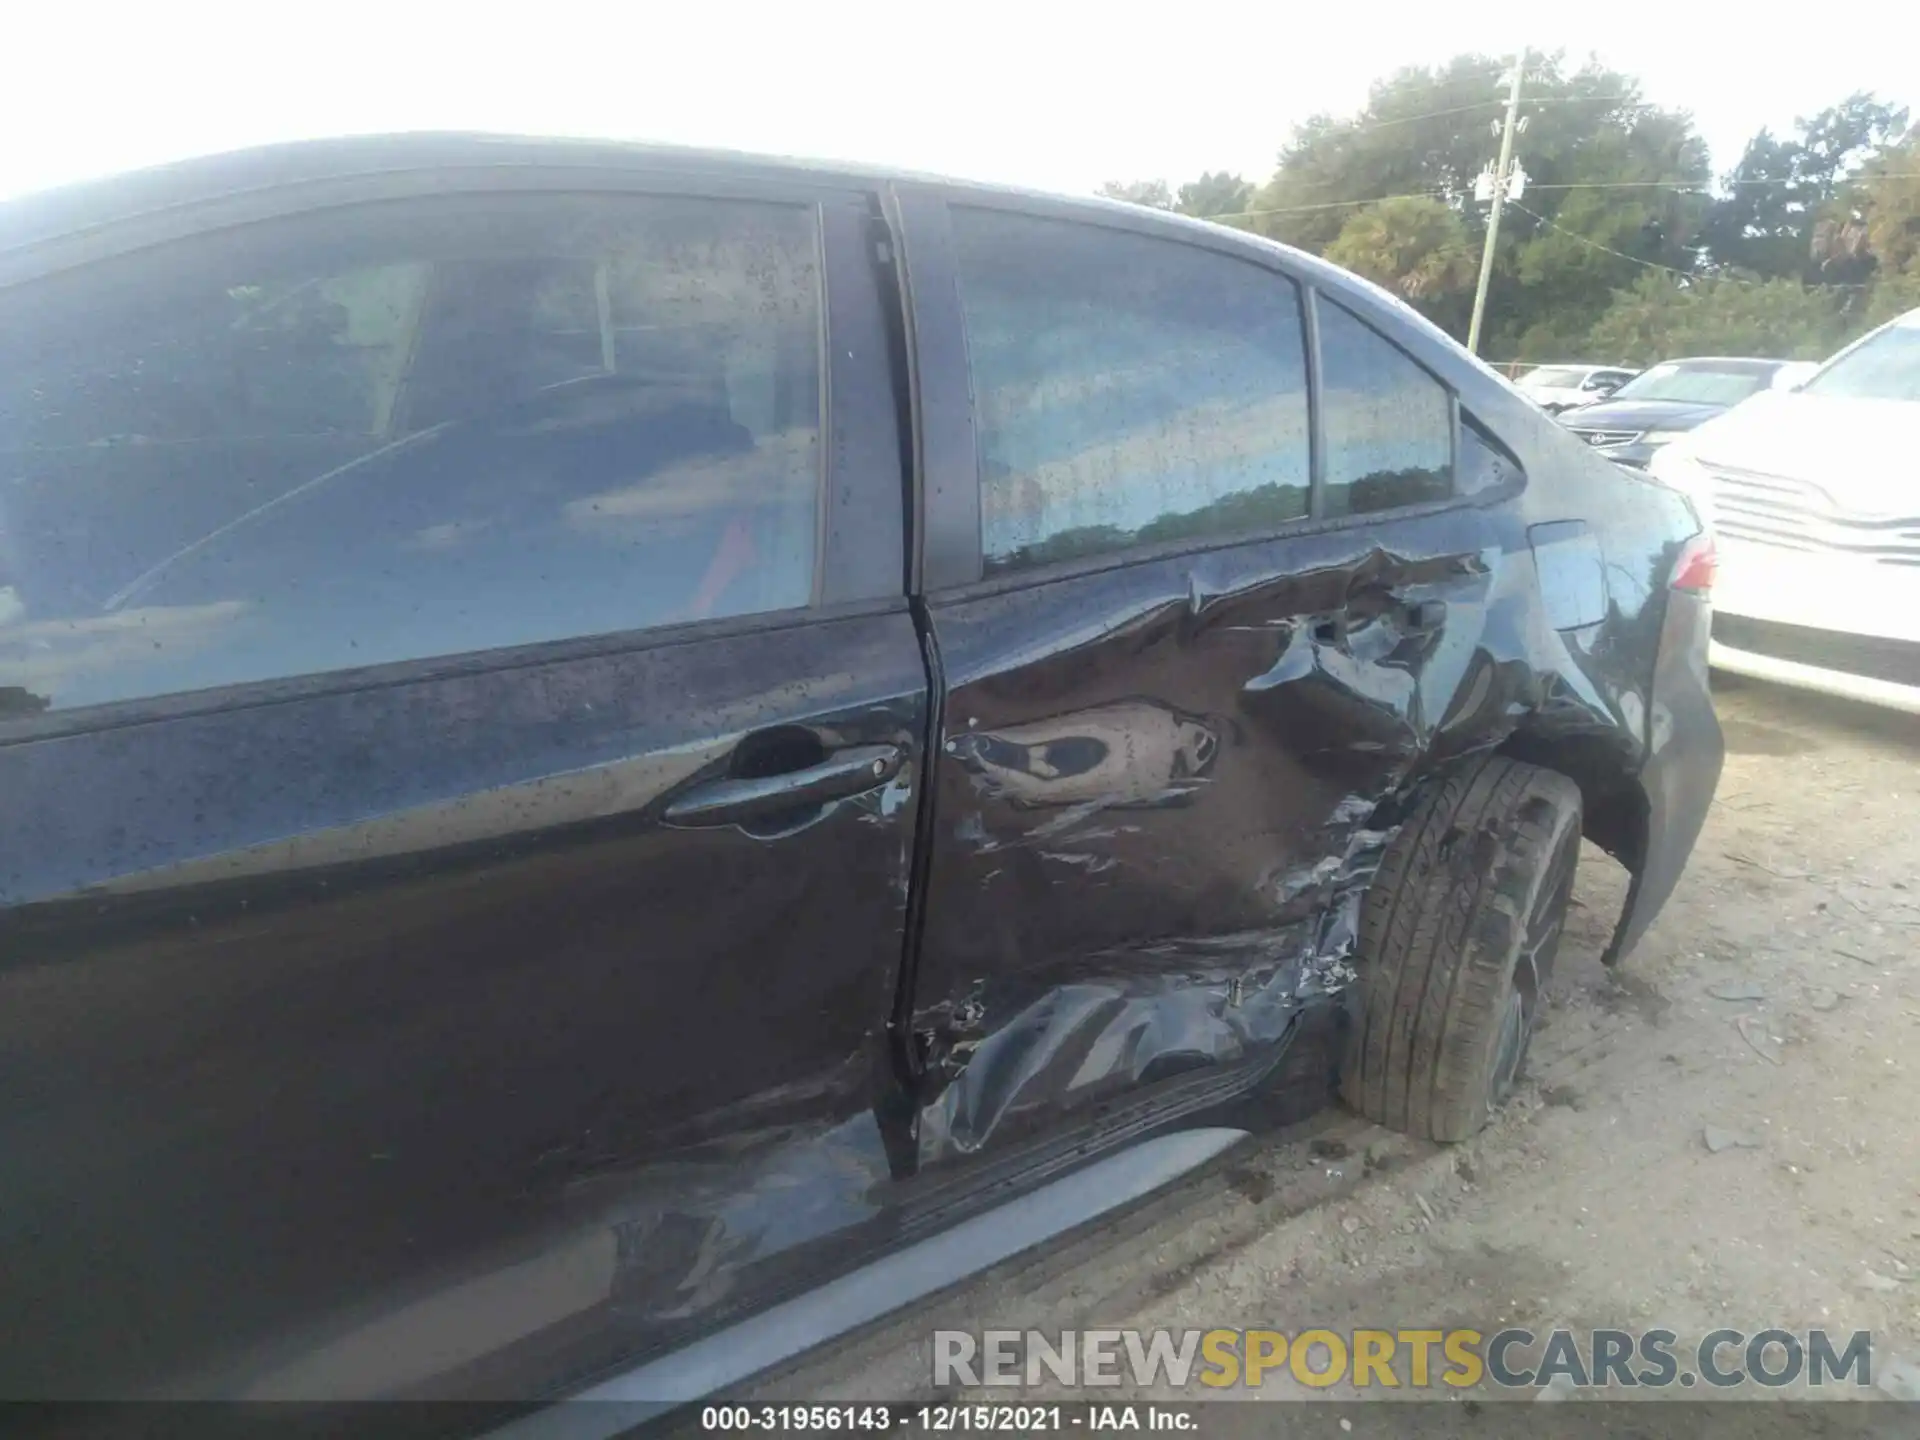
1782 214
1760 224
1833 142
1215 193
1429 132
1154 194
1415 247
1662 318
1890 295
1887 197
1614 250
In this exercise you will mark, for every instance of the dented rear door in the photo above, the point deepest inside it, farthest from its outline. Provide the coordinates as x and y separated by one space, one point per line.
1209 627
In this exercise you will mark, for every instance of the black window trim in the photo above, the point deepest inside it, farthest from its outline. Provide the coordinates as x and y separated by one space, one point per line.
858 532
947 542
393 674
944 543
1316 419
1454 439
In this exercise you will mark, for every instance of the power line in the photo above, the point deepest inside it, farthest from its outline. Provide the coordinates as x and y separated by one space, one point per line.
1443 195
1624 185
1695 184
1692 275
1593 244
1357 128
1679 185
1628 102
1625 102
1326 205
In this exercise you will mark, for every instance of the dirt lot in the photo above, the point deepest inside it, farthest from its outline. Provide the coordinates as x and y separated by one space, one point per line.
1777 1000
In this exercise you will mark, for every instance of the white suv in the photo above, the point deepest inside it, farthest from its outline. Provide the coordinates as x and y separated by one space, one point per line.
1813 494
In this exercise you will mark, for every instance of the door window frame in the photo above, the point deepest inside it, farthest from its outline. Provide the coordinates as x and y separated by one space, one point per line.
947 556
859 522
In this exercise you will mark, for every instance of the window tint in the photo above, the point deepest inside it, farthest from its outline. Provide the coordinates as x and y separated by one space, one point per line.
1128 390
404 431
1388 424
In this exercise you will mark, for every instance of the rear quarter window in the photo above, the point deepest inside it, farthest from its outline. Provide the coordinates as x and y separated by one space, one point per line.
1387 422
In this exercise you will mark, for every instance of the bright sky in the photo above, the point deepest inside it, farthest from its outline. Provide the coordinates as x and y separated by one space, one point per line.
1054 95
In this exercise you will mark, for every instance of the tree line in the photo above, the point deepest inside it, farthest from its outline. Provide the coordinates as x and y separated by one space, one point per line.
1621 247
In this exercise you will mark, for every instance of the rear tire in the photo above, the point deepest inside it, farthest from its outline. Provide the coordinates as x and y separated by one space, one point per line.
1457 937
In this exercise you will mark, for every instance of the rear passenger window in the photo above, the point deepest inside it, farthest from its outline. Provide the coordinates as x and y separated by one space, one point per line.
1128 390
1388 424
404 431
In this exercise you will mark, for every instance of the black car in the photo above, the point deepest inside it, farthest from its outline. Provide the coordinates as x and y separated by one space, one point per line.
1663 403
618 760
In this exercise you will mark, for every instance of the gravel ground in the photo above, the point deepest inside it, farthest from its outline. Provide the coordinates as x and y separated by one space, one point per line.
1776 1002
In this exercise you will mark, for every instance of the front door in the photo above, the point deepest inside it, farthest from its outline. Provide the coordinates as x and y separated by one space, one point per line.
460 734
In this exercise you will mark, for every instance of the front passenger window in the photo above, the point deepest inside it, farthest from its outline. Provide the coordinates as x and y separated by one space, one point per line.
357 437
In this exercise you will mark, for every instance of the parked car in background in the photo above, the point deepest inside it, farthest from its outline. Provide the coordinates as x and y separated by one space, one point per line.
1560 387
619 760
1813 494
1660 405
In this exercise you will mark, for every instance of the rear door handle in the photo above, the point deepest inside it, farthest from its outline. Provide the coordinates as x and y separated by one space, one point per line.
729 801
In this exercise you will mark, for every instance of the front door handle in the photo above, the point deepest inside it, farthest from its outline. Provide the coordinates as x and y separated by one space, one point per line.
730 800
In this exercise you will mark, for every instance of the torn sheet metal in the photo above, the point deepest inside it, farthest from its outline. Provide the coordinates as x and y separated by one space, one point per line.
1153 831
1133 1016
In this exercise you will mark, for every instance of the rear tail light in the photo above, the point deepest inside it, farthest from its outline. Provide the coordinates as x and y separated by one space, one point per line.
1693 571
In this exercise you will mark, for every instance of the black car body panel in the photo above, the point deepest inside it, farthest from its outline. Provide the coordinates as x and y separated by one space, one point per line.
1117 896
1685 752
480 1024
446 1000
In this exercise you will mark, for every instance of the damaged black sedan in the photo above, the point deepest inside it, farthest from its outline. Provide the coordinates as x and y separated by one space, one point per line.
618 760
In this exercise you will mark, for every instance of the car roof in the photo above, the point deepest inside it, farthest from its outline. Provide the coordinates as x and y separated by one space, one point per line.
51 215
170 200
88 204
88 207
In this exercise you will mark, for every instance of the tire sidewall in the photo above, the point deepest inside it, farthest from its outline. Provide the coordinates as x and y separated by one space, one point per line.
1531 863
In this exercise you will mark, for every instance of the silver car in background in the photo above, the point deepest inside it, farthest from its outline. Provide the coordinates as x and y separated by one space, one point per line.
1561 387
1813 494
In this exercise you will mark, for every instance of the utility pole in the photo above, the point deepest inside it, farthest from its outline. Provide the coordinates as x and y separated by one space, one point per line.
1502 176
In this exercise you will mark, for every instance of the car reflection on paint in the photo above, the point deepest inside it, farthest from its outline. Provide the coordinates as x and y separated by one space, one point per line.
1132 753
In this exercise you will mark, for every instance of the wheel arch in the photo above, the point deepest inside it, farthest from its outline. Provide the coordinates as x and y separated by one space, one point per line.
1616 814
